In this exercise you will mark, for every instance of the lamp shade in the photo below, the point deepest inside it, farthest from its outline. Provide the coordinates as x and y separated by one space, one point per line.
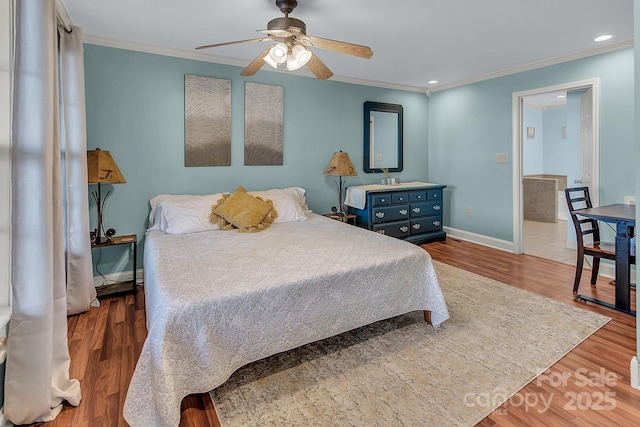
102 169
340 164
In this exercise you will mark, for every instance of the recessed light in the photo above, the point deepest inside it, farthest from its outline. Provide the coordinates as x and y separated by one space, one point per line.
603 37
432 82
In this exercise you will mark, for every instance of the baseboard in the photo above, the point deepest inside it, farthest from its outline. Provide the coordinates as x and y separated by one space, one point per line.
635 373
480 239
122 276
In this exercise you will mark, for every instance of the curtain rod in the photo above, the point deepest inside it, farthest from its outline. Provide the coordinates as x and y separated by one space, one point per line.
62 15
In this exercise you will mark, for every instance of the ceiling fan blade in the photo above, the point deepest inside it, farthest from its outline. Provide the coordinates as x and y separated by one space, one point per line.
256 64
318 68
342 47
236 42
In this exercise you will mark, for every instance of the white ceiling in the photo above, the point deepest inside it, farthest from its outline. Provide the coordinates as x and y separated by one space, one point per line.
413 41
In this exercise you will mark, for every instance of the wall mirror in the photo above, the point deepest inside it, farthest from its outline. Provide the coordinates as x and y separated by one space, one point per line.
382 137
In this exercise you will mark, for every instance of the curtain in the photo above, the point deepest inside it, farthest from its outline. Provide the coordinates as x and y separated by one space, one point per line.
80 290
50 262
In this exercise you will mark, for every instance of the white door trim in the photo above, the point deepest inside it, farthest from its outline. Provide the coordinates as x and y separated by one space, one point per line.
517 147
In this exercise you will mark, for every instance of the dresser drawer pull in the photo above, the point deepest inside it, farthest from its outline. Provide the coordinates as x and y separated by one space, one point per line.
436 223
436 208
416 210
416 226
382 200
404 211
380 215
380 231
404 228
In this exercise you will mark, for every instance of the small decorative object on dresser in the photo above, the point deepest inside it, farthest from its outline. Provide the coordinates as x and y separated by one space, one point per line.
410 211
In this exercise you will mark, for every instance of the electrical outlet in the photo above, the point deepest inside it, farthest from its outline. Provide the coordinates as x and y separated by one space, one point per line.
629 200
469 212
502 158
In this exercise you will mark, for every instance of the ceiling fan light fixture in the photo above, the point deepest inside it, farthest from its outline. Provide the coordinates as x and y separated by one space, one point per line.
301 54
292 63
270 61
279 53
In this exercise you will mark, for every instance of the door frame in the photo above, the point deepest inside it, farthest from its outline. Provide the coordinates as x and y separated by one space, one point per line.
517 139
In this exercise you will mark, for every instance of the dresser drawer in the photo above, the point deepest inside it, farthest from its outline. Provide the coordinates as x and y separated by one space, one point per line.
397 198
418 196
434 194
393 229
425 225
425 209
389 213
381 200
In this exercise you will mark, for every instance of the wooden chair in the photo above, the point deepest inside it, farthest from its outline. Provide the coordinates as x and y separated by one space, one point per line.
578 198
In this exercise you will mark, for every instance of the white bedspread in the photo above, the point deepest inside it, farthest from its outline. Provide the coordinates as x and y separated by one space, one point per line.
218 300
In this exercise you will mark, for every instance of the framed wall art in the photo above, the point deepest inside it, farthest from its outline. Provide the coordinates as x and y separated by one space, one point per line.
207 121
263 124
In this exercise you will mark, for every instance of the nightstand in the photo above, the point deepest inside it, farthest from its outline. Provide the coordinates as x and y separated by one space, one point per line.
348 218
119 287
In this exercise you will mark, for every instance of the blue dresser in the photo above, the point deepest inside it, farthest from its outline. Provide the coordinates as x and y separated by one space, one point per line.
411 211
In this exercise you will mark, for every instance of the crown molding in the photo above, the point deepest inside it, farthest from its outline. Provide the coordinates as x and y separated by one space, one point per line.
541 64
224 60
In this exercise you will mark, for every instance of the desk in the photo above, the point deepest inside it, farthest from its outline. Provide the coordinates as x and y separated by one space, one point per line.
624 216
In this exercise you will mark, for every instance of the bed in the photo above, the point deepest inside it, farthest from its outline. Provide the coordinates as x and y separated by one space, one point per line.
217 300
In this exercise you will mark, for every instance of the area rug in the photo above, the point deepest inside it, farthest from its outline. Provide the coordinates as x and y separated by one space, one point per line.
403 372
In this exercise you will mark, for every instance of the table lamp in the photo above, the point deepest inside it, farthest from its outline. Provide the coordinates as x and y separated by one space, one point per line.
340 165
102 169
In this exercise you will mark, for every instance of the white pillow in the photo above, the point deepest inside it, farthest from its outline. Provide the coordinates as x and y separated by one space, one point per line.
288 202
182 214
157 218
185 213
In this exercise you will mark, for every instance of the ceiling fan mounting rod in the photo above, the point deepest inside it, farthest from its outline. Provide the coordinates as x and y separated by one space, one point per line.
286 6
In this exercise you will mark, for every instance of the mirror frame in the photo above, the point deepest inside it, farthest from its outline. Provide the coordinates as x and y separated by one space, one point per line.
370 106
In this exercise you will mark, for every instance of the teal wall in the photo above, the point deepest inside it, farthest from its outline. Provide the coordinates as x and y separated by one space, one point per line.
469 124
135 109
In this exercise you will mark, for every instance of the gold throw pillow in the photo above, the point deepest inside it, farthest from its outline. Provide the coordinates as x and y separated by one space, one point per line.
243 211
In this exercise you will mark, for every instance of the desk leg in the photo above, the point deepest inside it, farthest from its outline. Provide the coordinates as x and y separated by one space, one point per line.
623 291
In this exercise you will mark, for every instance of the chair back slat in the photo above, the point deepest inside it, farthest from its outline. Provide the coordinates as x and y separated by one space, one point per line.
579 198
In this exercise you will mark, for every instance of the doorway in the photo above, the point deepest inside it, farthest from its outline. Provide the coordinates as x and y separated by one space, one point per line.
569 157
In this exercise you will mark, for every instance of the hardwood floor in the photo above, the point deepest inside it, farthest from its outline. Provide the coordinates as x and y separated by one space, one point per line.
589 386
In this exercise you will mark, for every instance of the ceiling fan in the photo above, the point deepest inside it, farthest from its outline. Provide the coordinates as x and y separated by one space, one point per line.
291 48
